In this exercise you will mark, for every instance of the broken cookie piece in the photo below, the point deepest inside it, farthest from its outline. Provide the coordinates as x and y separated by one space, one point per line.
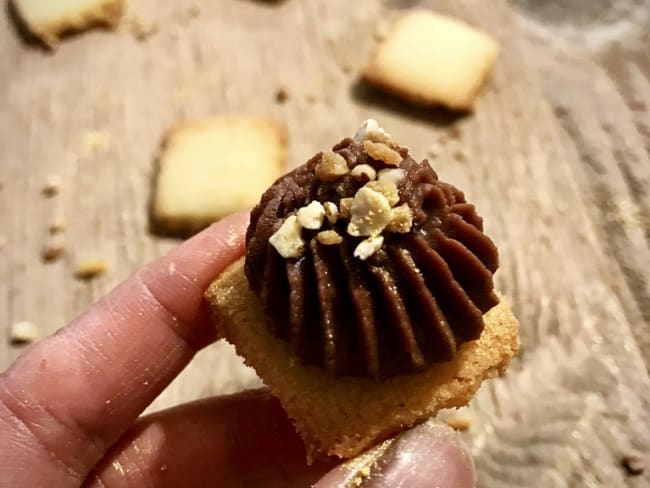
49 20
213 167
431 59
368 323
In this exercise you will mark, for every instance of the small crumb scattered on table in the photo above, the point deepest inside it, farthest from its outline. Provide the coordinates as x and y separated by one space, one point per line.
460 423
23 332
281 95
52 185
194 10
57 225
90 268
96 142
142 29
53 249
633 464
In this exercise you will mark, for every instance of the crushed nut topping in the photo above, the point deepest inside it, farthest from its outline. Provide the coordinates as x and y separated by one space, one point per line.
386 188
369 214
331 212
396 175
329 237
370 130
344 205
312 215
373 208
401 219
331 167
362 171
368 247
381 152
287 240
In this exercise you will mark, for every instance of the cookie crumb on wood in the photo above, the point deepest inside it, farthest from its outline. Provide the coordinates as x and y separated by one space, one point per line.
346 67
142 29
193 10
633 464
460 155
57 225
52 185
96 142
435 149
23 332
459 422
382 29
281 95
90 268
453 132
53 249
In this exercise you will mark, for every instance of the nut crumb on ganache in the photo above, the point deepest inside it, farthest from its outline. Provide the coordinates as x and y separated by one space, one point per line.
370 211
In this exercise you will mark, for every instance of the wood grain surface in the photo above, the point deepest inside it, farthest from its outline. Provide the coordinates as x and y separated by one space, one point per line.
556 157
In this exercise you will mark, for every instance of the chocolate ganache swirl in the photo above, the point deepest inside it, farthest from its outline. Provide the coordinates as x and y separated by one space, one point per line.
370 281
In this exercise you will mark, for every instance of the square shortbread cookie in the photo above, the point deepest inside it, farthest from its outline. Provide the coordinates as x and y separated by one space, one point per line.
50 19
431 59
342 416
213 167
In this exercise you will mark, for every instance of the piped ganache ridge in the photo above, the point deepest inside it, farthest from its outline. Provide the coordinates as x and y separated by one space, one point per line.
367 264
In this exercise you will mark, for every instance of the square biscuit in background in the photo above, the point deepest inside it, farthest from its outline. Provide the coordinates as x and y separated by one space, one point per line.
431 59
50 19
212 167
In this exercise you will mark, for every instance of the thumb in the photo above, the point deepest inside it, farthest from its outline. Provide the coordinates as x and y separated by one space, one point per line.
431 454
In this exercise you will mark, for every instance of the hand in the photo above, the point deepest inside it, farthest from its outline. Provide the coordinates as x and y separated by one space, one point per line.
69 405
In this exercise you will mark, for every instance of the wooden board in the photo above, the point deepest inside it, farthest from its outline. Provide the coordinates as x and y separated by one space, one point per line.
556 158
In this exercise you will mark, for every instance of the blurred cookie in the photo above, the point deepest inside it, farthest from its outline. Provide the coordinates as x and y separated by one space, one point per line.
432 59
49 20
213 167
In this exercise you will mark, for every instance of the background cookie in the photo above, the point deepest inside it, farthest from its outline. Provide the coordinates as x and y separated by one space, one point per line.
431 59
49 20
210 168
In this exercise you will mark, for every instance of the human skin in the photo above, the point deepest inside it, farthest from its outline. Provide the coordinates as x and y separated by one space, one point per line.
70 405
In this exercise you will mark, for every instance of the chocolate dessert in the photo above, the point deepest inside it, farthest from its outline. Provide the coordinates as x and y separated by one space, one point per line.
365 301
367 264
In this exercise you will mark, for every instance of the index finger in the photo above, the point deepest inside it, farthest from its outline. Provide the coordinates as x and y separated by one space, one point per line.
75 393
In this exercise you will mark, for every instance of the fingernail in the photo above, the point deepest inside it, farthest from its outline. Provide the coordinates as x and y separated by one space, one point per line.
429 455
